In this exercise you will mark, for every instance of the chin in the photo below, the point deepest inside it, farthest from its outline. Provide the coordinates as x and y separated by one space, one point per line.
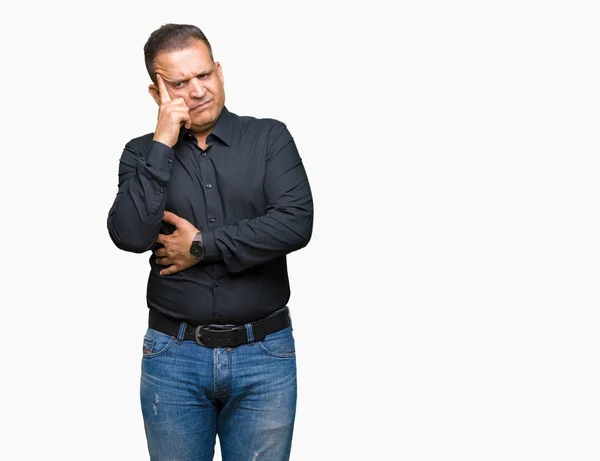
202 124
205 119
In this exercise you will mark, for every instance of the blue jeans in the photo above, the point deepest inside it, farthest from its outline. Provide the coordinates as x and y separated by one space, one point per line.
246 395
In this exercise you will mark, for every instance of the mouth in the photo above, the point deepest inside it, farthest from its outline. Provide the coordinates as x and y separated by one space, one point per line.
200 106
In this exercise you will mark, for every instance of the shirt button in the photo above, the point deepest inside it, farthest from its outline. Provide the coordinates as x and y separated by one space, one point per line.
212 219
162 189
203 154
217 284
229 349
208 186
169 160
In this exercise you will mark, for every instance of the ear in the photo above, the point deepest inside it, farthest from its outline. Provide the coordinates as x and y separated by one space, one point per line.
220 72
153 90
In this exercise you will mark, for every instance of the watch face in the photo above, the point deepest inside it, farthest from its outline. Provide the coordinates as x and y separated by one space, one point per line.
197 250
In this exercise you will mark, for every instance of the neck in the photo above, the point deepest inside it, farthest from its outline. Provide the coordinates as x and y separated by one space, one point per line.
202 141
202 135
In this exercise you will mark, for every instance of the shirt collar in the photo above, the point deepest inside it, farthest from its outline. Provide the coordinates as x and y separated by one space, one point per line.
221 130
224 126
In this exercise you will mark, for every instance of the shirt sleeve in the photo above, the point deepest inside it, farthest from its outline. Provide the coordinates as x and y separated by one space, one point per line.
135 217
287 224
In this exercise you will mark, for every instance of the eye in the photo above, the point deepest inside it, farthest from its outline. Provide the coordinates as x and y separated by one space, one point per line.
178 85
202 76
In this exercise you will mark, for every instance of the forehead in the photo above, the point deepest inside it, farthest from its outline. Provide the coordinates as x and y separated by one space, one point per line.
184 63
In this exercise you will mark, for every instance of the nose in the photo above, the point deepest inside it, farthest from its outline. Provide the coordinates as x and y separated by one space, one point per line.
197 90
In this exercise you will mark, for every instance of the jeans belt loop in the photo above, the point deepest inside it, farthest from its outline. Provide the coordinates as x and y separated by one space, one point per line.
250 333
181 332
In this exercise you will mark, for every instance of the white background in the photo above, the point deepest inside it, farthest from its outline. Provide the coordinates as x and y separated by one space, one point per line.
447 305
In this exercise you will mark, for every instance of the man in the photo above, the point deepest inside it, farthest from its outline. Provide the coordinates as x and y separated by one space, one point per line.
220 200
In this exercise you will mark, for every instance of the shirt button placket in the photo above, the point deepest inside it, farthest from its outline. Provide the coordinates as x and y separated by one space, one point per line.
213 205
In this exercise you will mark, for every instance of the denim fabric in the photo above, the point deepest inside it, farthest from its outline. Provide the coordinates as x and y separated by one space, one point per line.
246 395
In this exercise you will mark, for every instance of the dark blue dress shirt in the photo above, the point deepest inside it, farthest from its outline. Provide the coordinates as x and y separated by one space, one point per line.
249 195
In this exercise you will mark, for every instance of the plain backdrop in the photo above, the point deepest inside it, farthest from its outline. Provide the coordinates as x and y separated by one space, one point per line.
446 307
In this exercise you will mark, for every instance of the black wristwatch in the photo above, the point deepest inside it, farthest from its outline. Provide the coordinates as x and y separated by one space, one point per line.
197 248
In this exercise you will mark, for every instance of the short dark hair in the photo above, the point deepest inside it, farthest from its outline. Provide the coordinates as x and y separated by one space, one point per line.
171 37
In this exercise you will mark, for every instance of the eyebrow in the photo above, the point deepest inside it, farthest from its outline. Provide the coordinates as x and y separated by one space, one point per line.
204 72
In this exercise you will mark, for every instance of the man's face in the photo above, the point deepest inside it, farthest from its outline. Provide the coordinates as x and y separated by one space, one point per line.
191 74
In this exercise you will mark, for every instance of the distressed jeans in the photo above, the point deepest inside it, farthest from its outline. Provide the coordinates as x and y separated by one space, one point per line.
246 395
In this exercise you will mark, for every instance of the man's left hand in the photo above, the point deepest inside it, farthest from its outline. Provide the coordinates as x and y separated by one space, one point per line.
176 250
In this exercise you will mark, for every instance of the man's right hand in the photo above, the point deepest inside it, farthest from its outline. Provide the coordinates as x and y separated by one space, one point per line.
172 113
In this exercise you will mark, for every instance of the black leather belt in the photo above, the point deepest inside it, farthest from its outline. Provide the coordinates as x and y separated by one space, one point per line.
215 336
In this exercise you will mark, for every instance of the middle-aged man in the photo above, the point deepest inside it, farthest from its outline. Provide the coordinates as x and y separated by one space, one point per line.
220 200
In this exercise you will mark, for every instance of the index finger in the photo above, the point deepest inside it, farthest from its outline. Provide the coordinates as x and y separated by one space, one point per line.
171 218
162 89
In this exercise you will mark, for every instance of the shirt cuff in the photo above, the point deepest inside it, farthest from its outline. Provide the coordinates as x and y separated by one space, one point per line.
211 251
160 156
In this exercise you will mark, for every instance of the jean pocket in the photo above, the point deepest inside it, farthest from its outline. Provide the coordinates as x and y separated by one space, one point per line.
279 344
156 343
